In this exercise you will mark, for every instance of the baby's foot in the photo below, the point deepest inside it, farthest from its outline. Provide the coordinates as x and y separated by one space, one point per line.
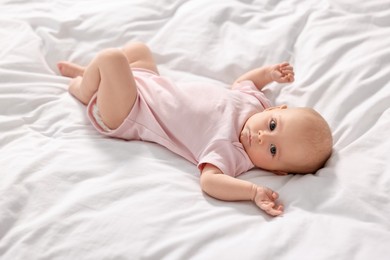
69 69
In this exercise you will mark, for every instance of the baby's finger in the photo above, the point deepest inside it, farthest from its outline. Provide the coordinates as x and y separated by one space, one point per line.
274 212
275 195
288 77
271 208
272 195
284 64
287 72
280 207
287 66
266 205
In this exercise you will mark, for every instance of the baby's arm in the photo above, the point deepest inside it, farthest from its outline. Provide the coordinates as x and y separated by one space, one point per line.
281 73
224 187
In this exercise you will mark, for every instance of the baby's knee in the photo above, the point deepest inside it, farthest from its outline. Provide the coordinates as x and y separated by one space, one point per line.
139 46
111 54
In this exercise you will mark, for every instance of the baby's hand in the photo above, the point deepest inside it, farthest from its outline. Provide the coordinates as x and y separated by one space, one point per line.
282 73
265 199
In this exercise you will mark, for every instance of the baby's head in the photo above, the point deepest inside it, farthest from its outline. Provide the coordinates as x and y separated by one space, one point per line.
287 140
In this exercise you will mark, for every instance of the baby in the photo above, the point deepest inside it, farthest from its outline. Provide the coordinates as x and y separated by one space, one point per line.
225 132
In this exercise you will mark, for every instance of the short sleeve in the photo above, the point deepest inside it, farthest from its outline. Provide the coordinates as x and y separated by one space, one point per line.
229 158
249 88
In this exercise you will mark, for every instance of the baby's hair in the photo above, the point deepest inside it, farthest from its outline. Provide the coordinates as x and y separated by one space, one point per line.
318 137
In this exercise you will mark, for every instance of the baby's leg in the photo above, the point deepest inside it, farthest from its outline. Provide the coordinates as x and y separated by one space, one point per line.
117 90
140 56
110 76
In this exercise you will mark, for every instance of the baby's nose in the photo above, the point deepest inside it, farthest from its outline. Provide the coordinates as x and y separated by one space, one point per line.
262 135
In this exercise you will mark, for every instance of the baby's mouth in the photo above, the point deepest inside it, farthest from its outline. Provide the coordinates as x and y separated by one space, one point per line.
249 137
246 136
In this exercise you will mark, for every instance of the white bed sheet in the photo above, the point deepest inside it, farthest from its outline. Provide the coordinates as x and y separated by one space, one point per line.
68 193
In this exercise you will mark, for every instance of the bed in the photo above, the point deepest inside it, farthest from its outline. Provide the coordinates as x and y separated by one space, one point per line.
67 192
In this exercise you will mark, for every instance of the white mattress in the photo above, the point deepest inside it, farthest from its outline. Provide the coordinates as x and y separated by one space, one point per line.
67 192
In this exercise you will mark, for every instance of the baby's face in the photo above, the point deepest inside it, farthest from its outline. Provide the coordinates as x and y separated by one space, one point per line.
271 138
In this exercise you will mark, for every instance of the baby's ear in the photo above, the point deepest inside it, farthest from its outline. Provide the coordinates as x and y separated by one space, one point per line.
277 107
279 172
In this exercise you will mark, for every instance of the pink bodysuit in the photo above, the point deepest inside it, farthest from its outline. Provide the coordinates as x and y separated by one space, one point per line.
200 122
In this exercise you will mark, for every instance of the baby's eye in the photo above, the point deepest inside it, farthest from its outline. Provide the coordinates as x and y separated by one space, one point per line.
272 125
273 149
